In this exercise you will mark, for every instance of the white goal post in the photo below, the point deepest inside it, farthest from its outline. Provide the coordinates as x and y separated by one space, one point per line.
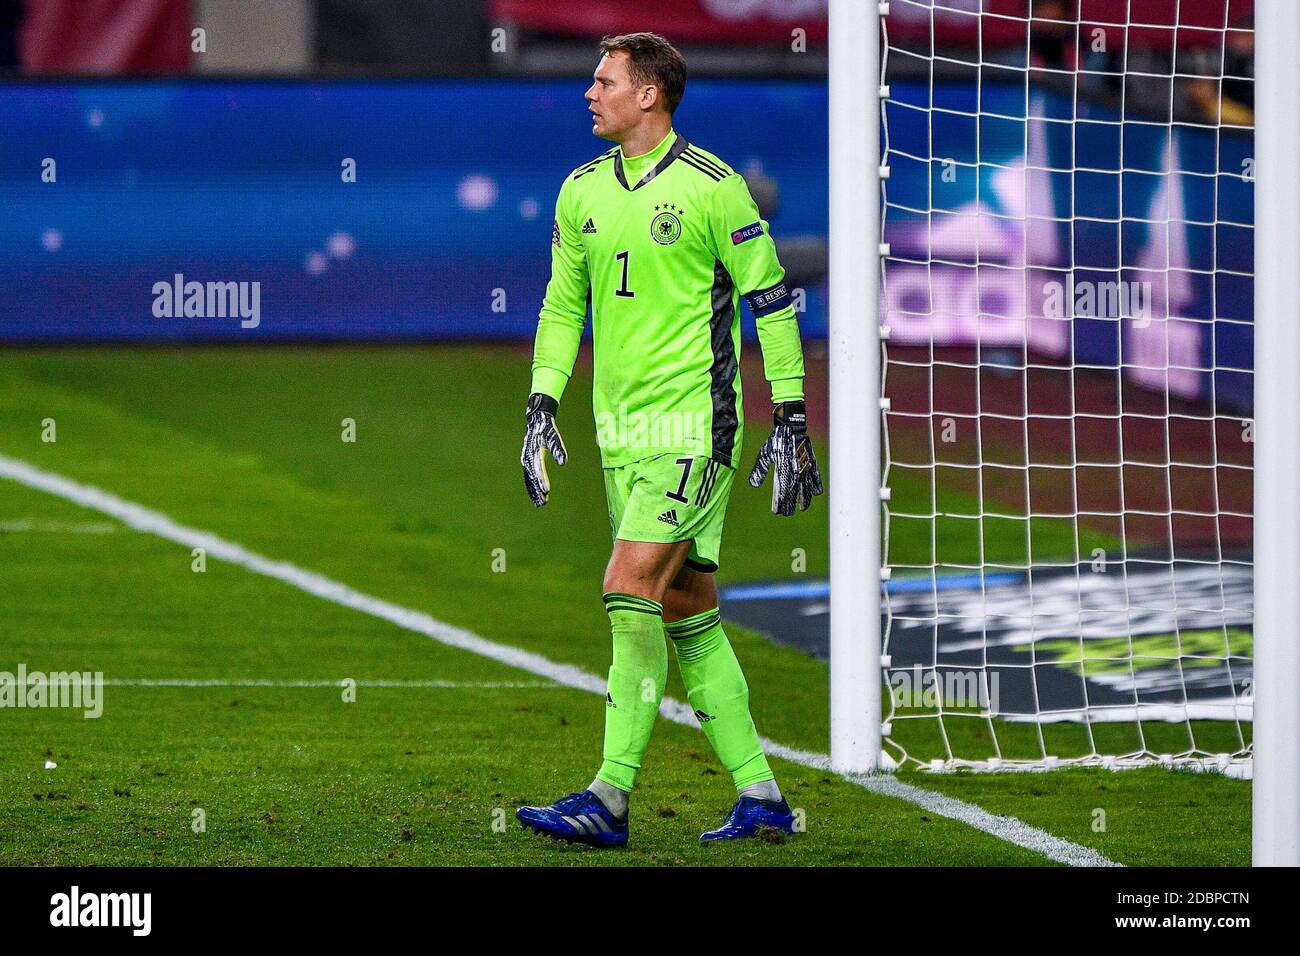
854 372
1054 540
1275 811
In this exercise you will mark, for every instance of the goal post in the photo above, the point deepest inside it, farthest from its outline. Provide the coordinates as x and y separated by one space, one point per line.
1050 350
1275 812
854 372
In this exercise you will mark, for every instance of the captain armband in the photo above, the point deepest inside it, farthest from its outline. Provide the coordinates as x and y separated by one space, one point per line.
766 301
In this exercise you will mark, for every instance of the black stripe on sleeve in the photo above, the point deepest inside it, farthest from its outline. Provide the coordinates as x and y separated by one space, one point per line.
593 165
690 160
694 153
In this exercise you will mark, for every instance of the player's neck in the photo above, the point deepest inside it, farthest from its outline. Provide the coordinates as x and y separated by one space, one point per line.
646 137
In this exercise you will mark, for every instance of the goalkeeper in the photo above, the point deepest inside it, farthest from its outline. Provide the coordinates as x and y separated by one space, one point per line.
665 239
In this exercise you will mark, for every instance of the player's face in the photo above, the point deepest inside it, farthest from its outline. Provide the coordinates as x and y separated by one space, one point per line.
615 102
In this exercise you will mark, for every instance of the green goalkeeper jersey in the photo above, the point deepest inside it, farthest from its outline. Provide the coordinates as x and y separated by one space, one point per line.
664 246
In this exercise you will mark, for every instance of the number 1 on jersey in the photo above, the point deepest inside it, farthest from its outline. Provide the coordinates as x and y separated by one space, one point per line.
623 290
680 493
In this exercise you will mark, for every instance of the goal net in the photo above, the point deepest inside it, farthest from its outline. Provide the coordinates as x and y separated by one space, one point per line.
1066 294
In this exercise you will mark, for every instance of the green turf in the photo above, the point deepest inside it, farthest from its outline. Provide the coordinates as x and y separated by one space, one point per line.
417 511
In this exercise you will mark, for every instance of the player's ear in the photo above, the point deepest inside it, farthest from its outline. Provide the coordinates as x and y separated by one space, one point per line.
649 97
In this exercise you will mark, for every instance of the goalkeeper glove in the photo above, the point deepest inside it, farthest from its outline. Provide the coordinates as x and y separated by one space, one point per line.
541 436
788 453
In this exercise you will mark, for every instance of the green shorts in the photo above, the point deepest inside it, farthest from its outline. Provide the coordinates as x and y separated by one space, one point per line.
671 498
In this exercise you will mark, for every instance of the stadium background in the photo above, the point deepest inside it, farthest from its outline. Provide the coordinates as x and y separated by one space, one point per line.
462 118
159 174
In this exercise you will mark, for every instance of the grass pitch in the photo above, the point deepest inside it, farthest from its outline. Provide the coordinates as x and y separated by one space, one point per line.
425 509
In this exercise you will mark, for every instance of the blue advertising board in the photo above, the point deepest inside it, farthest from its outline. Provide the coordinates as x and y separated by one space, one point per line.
422 209
445 232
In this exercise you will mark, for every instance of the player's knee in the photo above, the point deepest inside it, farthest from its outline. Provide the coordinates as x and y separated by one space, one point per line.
615 580
680 603
618 581
675 605
643 569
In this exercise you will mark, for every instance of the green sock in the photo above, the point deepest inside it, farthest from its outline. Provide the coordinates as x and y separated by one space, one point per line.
716 688
636 685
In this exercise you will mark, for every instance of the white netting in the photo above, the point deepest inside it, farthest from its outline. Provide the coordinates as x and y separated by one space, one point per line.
1066 312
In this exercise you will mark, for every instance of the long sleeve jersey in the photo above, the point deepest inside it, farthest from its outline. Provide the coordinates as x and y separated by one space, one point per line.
664 246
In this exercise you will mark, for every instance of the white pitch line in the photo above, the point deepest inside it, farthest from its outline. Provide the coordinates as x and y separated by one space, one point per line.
260 682
56 527
153 522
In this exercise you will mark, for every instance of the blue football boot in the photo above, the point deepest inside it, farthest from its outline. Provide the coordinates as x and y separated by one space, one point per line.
577 818
750 815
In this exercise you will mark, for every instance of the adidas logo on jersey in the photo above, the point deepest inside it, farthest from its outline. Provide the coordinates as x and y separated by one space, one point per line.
670 517
589 227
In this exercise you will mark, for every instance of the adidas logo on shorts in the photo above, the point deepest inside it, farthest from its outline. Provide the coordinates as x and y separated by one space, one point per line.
670 517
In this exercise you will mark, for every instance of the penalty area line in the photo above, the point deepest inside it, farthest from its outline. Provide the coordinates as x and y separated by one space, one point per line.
156 523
